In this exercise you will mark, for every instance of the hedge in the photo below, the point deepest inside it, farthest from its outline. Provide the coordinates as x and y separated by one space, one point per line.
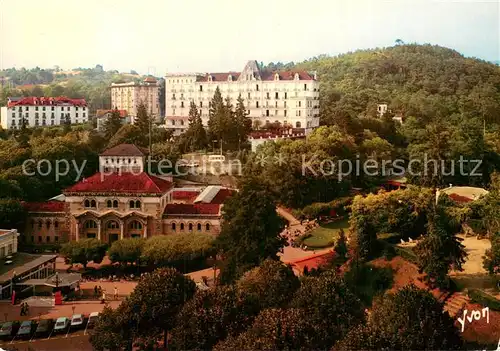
484 299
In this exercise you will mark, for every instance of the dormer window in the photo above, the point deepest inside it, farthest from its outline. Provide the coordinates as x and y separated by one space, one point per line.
229 78
276 76
296 77
209 78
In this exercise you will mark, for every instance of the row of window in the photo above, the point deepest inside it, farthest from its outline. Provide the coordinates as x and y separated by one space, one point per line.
52 108
52 115
48 224
91 224
123 160
190 227
47 239
133 204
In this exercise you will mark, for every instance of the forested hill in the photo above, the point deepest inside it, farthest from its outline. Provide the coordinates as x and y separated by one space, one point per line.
415 80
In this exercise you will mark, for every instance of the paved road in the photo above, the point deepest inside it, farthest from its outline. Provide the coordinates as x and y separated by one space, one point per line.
77 341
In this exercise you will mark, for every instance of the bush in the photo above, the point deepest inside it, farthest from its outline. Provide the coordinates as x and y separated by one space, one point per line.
389 252
484 299
339 206
367 281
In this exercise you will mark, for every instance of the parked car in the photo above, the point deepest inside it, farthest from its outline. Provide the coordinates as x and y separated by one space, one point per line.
26 329
44 327
93 317
76 321
8 329
62 324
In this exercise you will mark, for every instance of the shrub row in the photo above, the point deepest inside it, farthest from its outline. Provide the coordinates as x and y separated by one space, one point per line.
484 299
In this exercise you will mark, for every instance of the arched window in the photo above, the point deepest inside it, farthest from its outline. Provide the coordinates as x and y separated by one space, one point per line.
135 225
182 226
131 204
115 203
56 224
90 224
87 203
108 204
39 224
48 224
276 76
93 204
207 227
173 226
296 77
297 124
112 225
190 226
137 204
199 227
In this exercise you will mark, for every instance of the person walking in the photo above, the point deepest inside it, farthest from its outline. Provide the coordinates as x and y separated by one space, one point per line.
27 309
115 293
22 309
96 292
103 298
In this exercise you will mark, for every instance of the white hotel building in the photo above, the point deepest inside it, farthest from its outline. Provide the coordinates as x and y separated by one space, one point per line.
42 111
288 97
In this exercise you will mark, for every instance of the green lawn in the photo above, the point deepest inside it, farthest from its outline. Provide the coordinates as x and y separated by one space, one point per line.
324 235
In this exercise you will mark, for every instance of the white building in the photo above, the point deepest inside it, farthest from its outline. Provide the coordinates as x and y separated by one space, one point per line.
288 97
8 242
43 111
128 97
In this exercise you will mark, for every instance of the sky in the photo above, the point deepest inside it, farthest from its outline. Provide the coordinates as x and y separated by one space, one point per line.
160 36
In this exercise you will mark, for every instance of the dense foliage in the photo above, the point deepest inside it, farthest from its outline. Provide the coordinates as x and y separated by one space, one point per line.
84 251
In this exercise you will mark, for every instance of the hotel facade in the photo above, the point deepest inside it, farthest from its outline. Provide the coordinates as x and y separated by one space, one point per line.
288 97
128 97
43 111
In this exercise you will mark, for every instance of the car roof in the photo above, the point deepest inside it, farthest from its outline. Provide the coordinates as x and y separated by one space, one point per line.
25 323
62 319
76 316
6 324
94 314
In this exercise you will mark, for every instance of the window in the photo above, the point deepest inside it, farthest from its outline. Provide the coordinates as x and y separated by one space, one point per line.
84 114
276 113
13 115
257 104
48 224
300 103
86 204
276 95
201 103
112 225
284 104
47 239
115 203
76 115
305 87
285 96
56 224
27 108
284 113
190 226
248 95
135 204
300 113
93 204
297 124
267 95
108 204
257 87
135 225
182 226
40 224
36 114
276 104
91 224
182 123
52 108
199 227
267 113
173 227
207 227
36 108
56 239
43 108
182 104
52 115
201 87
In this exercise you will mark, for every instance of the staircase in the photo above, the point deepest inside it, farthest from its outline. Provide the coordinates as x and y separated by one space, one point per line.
455 304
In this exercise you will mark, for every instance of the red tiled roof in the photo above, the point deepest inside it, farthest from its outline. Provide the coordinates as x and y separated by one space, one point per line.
459 198
150 80
48 206
141 183
185 195
287 75
192 209
221 196
47 101
312 262
125 150
100 113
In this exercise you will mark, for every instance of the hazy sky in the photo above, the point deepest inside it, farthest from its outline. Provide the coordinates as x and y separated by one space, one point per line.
157 36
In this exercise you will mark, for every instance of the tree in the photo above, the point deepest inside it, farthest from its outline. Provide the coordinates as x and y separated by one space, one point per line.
143 122
211 316
272 284
126 250
12 214
341 247
364 237
84 251
195 135
217 117
67 124
242 122
128 134
112 124
329 306
157 299
250 230
440 250
491 259
274 329
114 329
411 319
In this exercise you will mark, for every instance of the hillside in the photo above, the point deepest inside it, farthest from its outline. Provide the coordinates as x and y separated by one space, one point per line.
409 78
